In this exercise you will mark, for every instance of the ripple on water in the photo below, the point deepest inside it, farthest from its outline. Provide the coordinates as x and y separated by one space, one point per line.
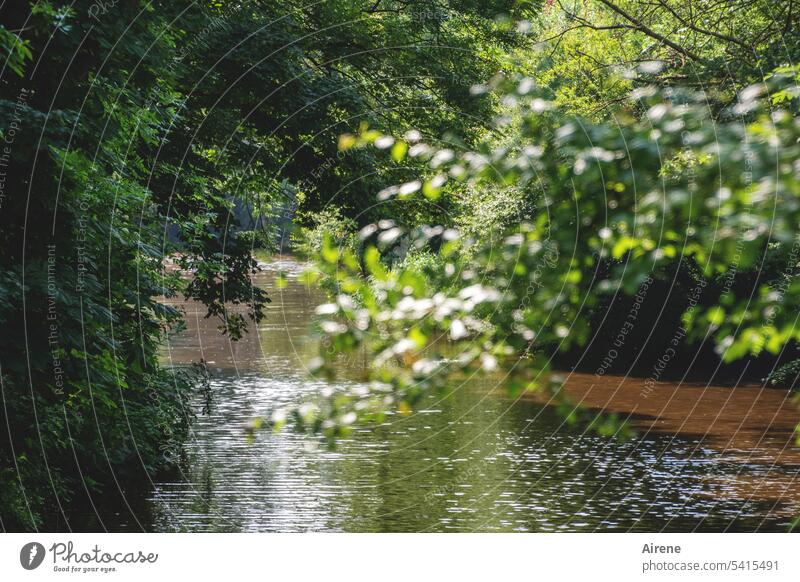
473 462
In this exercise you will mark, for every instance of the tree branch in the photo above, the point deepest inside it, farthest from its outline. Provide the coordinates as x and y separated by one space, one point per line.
650 32
688 24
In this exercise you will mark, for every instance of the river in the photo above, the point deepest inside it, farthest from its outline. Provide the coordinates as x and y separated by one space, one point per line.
705 458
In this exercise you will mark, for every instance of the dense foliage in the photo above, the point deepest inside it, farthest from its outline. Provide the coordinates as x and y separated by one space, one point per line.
143 141
649 225
717 46
91 185
556 160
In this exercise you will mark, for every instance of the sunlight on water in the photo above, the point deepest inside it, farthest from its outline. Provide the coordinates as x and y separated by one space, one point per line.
472 462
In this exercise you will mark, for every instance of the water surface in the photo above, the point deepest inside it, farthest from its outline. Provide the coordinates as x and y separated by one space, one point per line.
706 458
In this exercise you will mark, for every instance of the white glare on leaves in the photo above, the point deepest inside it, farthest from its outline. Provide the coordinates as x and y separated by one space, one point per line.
540 105
348 418
451 234
444 306
404 345
412 136
424 367
410 308
509 101
409 188
488 362
524 26
458 330
476 294
651 67
533 151
333 327
345 301
656 112
643 92
752 92
315 364
389 236
438 181
327 309
384 142
723 345
601 154
418 150
441 157
525 86
367 231
387 193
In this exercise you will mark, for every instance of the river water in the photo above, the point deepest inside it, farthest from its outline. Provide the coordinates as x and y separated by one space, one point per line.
705 459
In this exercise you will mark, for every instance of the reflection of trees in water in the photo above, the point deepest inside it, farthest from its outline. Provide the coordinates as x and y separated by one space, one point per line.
475 461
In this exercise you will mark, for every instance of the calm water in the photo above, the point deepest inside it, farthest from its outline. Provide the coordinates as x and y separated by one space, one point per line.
474 462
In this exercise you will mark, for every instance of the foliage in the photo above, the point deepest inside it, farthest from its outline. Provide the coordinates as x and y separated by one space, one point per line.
586 47
307 241
617 204
786 375
92 184
285 78
136 133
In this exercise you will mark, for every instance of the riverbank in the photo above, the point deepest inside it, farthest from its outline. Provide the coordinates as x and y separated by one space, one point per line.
743 418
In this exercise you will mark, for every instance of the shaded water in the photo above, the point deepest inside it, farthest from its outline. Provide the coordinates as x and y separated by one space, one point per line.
473 462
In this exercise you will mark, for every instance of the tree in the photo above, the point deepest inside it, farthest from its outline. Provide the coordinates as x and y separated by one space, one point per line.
618 204
133 132
719 46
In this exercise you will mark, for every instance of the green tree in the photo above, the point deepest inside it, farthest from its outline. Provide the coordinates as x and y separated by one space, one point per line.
616 204
135 132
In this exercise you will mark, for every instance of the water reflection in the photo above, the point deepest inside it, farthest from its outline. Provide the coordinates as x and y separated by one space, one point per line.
473 462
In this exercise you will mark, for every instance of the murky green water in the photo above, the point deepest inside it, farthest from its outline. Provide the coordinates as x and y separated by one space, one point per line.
473 462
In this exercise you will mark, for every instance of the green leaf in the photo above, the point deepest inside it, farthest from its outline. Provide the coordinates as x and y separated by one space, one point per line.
399 150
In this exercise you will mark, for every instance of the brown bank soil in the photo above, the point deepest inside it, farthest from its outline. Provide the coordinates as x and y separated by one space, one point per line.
749 424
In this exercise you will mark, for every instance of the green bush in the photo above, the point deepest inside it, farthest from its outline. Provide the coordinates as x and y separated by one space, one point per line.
306 241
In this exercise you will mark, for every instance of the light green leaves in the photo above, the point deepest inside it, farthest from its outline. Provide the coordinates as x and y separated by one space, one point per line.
399 150
614 206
